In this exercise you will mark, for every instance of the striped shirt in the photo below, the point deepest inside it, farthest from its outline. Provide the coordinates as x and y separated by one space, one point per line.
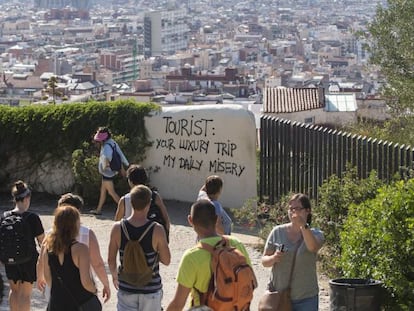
146 243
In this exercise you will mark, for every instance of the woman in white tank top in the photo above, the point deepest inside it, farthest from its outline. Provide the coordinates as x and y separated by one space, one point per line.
83 236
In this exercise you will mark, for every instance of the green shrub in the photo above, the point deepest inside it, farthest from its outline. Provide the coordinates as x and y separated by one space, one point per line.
262 216
85 166
336 195
399 129
378 242
85 169
57 130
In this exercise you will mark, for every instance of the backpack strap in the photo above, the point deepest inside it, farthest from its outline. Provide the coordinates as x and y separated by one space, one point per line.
113 147
10 213
125 230
224 242
146 231
294 261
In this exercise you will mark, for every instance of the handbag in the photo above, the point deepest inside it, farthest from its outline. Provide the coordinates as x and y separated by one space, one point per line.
273 300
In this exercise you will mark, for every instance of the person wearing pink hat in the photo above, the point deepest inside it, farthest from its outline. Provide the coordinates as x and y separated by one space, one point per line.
108 145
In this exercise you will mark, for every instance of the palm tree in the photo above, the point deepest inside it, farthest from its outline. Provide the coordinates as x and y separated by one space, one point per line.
52 85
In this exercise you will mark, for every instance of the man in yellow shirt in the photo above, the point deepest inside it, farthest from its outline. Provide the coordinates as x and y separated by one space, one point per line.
194 272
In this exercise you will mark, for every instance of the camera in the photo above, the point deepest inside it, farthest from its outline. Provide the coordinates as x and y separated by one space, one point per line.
279 247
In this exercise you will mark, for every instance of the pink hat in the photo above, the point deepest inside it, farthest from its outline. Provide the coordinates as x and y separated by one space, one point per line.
100 136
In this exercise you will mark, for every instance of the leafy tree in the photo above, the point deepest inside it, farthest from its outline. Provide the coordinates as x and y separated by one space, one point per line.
392 49
337 193
378 242
399 129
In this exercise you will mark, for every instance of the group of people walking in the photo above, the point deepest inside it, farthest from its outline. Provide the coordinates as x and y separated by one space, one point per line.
70 253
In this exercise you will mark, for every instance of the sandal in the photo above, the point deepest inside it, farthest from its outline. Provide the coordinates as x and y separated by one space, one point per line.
95 212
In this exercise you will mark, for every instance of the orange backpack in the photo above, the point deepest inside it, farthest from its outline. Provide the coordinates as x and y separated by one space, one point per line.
232 281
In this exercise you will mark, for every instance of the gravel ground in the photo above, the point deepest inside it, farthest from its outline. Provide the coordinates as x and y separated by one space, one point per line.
181 237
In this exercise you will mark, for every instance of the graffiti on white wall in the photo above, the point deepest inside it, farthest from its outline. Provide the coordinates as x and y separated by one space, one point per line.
191 136
190 144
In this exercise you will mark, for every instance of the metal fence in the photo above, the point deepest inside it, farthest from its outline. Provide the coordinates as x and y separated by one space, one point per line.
297 157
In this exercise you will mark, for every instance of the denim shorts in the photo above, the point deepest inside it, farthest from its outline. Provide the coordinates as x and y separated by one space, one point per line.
143 302
306 304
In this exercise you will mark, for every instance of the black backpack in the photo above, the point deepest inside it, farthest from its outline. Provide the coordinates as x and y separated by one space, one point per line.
154 213
15 239
116 162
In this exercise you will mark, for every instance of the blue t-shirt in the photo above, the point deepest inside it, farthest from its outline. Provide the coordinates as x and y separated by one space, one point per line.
220 212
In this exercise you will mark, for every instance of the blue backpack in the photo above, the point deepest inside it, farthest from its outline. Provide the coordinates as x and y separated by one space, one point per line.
116 162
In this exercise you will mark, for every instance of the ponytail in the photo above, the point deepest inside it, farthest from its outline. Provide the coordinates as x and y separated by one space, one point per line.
20 191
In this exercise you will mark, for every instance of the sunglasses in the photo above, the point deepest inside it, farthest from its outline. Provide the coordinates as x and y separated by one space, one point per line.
295 208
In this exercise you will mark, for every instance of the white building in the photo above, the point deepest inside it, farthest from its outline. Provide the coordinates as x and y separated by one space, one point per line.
60 4
165 32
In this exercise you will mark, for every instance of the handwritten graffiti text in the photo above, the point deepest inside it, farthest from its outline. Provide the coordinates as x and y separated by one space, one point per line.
187 128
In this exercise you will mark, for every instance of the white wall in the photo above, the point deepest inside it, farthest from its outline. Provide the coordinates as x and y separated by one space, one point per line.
317 114
193 142
320 116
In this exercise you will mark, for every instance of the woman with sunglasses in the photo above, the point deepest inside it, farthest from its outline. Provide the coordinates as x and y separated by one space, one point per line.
295 244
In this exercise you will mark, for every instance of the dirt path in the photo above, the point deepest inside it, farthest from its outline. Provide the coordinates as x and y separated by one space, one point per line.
182 237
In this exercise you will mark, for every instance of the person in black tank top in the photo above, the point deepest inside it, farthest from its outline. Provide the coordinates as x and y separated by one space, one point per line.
66 263
137 175
155 247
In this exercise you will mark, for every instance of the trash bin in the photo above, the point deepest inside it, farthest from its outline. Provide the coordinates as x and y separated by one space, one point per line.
355 295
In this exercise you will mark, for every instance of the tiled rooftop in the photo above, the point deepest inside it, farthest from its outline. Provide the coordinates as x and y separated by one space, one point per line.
285 100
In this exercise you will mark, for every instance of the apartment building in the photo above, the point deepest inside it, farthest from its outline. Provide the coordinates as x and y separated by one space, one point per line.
59 4
125 66
165 32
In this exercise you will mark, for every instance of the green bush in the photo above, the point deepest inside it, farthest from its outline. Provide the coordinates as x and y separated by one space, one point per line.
262 216
57 130
378 242
335 196
85 166
399 129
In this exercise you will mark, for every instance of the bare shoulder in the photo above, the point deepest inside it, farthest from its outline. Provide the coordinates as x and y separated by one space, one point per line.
116 231
116 225
79 248
158 228
158 198
92 236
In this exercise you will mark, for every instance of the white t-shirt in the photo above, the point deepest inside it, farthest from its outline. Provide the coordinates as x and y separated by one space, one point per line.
128 206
